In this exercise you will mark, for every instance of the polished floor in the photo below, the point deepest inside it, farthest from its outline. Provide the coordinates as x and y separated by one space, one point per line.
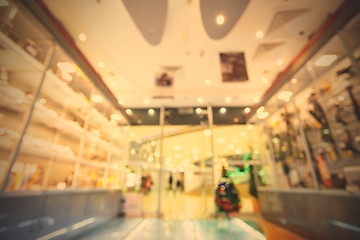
189 216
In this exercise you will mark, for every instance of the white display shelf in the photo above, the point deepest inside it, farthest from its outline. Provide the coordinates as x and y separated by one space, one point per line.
17 59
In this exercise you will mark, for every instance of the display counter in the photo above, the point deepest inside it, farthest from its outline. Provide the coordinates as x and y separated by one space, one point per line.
311 121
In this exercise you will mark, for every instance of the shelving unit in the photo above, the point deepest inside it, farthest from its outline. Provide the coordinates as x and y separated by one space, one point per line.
63 125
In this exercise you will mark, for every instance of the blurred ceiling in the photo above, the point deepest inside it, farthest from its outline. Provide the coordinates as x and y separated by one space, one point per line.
131 42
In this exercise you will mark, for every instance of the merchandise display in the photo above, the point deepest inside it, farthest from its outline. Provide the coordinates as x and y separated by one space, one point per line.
56 128
314 119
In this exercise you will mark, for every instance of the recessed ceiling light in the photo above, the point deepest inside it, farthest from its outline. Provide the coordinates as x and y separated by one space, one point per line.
82 37
207 81
128 111
66 67
294 81
146 100
198 110
279 62
42 100
228 99
325 60
222 110
101 64
97 98
247 110
236 120
259 34
220 19
207 132
265 80
151 111
200 100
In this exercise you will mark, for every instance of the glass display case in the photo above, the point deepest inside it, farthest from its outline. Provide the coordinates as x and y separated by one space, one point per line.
57 130
314 119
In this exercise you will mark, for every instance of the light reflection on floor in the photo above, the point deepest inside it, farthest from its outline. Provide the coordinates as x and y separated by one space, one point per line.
158 229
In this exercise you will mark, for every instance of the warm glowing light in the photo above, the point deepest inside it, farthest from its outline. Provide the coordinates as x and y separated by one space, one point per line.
151 111
207 132
220 19
42 100
265 80
259 34
207 81
228 99
221 140
285 95
128 111
294 81
116 117
200 100
247 110
101 64
260 109
279 62
66 67
325 60
82 37
121 101
256 99
222 110
198 110
97 98
236 120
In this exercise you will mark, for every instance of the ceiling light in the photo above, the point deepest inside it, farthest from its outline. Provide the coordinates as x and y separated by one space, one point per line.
207 81
256 99
259 34
222 110
236 120
247 110
220 19
97 98
42 100
196 151
101 64
279 62
198 110
132 151
177 147
262 115
207 132
151 111
325 60
146 100
228 99
200 100
116 116
66 67
121 101
265 80
341 98
82 37
294 81
128 111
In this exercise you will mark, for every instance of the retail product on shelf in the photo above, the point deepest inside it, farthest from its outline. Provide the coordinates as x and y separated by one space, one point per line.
52 134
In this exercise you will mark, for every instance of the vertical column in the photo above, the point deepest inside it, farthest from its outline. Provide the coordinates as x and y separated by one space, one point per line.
211 125
162 122
272 161
14 154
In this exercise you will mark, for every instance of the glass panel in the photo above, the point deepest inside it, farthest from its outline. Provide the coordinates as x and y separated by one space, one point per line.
24 46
